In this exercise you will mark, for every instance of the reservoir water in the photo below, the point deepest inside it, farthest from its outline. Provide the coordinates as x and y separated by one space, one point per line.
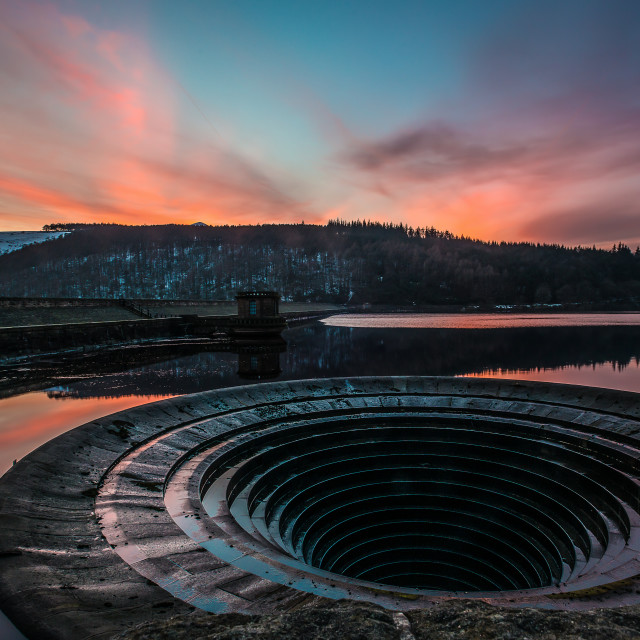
481 320
589 349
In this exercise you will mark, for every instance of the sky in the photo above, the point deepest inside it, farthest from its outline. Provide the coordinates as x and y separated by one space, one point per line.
514 120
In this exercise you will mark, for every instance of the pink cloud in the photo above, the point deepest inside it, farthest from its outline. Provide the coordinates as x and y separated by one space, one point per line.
76 25
90 121
505 186
541 144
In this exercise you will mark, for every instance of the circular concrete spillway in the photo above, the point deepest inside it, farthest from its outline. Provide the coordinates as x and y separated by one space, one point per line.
436 502
401 491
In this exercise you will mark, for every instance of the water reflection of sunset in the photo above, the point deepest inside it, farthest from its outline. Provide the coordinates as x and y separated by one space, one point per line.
480 320
600 353
40 418
603 375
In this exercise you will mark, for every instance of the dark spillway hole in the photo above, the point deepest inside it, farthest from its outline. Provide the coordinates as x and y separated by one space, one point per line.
443 505
419 532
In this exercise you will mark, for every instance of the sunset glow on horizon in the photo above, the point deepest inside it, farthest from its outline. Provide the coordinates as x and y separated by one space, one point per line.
495 120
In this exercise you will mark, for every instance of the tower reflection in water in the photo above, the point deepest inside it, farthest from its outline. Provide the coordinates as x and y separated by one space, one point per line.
259 360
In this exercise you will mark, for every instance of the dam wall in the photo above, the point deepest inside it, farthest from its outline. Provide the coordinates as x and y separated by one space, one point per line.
103 302
17 341
58 337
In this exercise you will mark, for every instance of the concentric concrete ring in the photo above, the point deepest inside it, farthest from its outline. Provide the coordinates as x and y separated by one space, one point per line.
400 491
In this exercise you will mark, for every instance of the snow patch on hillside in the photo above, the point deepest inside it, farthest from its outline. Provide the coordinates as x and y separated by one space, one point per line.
14 240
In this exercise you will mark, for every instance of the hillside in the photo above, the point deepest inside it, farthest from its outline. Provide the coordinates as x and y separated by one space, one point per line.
14 240
339 262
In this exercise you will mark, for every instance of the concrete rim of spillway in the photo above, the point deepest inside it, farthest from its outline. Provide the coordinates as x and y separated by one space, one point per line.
104 526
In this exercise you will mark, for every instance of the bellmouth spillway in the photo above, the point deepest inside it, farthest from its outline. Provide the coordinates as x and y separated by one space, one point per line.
401 490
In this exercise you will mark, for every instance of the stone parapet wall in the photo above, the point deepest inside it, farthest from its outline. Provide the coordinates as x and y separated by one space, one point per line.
103 302
60 337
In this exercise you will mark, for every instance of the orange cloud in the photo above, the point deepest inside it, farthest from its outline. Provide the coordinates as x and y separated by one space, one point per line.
92 126
498 188
32 193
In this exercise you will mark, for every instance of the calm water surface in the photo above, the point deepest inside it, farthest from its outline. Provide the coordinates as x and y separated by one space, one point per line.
589 349
480 320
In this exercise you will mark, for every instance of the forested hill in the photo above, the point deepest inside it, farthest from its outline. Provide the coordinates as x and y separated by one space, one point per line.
341 262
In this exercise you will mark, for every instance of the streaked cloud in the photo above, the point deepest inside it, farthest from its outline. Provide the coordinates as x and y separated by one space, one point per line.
549 141
90 125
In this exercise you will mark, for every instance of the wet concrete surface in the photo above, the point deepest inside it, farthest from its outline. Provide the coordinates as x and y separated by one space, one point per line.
102 527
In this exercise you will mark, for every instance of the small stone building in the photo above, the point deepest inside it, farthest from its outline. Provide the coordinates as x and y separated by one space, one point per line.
258 315
258 304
